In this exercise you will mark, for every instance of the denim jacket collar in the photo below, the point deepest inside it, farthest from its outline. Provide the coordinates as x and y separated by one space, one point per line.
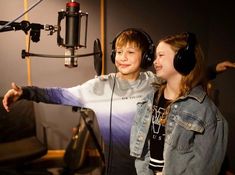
197 93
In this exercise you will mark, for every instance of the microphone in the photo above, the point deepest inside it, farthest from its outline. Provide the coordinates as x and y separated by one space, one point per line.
72 32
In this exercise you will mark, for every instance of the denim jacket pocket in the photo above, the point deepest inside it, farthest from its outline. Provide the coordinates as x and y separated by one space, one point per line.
181 130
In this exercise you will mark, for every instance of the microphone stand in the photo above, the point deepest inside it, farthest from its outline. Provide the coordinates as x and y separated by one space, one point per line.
26 26
23 25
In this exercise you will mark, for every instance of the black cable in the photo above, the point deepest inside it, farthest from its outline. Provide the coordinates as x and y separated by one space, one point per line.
109 162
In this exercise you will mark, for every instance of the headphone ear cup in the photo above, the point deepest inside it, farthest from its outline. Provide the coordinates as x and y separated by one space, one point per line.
113 55
113 52
185 60
148 57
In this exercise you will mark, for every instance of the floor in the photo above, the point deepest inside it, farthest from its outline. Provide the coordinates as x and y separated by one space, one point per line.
53 164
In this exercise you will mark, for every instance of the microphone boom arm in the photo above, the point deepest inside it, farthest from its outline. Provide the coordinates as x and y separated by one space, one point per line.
27 54
26 26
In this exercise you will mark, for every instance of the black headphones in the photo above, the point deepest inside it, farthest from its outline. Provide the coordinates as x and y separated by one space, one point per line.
185 59
148 55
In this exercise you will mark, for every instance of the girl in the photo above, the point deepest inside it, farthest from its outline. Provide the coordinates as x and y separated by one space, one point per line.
184 130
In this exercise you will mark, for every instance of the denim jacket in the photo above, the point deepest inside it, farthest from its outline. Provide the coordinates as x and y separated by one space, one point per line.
195 140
